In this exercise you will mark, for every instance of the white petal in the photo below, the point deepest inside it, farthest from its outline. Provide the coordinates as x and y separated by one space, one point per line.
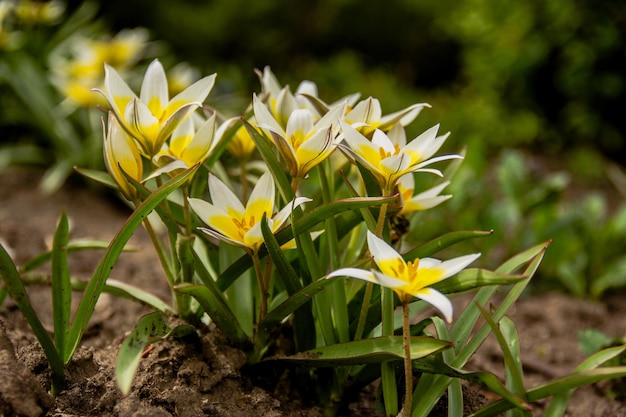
264 117
404 116
380 250
300 120
223 197
154 88
284 214
455 265
438 300
355 139
116 90
202 142
261 200
354 273
425 144
204 209
381 140
196 93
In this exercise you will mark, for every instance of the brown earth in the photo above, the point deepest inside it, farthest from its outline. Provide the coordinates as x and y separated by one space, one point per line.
202 375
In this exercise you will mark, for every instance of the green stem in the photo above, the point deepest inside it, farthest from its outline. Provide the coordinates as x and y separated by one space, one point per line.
262 287
367 296
408 372
340 305
244 180
388 377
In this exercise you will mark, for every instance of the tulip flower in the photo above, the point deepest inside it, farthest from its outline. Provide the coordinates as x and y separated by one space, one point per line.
303 144
229 220
121 154
409 279
152 117
388 159
367 116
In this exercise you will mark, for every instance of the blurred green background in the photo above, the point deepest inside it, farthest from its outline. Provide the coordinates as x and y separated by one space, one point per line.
536 90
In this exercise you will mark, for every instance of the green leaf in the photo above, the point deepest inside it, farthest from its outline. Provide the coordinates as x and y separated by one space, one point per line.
15 288
442 242
472 278
151 328
366 351
509 345
558 405
122 289
98 176
433 365
98 280
215 306
72 246
556 387
291 304
61 289
303 318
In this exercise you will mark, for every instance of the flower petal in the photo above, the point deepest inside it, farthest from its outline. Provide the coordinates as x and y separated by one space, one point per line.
154 88
261 199
196 93
381 251
224 198
354 273
438 300
116 91
201 144
455 265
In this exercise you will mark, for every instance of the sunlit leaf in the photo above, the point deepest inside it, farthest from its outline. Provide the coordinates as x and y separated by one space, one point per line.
151 328
366 351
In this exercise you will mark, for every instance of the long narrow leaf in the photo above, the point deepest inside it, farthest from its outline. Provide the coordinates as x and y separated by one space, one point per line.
15 288
509 347
287 307
98 280
214 305
303 318
61 289
367 351
431 247
472 278
558 405
432 365
72 246
557 386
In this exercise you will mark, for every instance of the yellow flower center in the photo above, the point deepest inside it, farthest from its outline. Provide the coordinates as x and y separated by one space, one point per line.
243 225
385 154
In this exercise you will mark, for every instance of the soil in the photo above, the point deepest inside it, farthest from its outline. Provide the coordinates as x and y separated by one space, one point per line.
202 375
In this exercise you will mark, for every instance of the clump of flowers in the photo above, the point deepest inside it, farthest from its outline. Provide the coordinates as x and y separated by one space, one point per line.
267 238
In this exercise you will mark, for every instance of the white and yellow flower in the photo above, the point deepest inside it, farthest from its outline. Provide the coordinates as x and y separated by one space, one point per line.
367 116
303 144
152 117
409 279
422 201
229 220
388 157
121 154
193 140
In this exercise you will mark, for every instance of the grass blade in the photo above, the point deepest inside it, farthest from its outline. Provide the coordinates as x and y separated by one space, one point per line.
61 288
